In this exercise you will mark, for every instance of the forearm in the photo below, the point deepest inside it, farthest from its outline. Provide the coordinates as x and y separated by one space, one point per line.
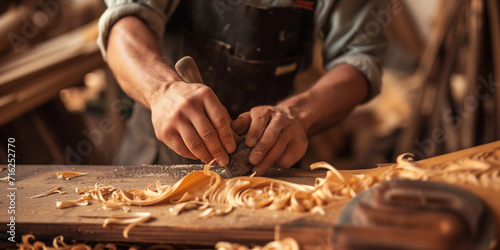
135 58
329 100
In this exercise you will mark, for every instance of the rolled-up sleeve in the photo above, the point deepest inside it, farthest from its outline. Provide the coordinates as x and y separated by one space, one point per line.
155 13
353 33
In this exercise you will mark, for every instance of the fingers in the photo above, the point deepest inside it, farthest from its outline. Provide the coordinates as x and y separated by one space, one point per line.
207 143
193 122
293 153
278 138
260 117
177 144
241 124
271 157
284 153
221 121
270 123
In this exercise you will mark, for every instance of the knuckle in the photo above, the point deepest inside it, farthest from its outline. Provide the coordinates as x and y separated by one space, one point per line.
280 116
169 132
184 104
218 151
261 147
195 145
204 91
164 133
208 135
268 111
220 122
176 115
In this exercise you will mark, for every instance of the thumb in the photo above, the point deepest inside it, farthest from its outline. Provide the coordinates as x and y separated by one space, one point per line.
241 124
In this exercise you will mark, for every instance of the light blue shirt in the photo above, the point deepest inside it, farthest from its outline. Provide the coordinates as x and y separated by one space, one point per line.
352 30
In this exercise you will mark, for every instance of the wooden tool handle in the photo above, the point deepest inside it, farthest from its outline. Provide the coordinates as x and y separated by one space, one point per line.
187 69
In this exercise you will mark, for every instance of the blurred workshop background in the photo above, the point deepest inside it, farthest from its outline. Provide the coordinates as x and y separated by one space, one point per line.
60 102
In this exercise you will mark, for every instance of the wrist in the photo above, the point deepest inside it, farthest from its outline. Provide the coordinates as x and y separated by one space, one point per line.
296 109
163 79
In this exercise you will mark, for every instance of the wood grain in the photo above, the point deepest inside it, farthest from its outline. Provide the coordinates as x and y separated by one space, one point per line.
41 217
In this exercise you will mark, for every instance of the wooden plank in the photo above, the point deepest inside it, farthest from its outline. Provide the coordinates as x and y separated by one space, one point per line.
39 216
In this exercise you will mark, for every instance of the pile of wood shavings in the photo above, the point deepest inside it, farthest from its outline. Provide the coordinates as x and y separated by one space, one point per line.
199 189
480 169
202 189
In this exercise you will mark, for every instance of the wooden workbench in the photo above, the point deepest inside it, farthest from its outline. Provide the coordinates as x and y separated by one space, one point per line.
41 217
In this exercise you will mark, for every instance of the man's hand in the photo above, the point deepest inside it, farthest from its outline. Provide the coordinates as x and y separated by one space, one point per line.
275 136
190 119
186 117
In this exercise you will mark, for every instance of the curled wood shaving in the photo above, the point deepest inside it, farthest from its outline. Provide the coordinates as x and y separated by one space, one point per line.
6 178
52 191
130 219
189 205
284 244
66 204
66 175
2 169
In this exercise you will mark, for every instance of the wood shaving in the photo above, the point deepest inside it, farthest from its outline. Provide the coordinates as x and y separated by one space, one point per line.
52 191
66 175
66 204
129 219
284 244
2 169
57 244
6 178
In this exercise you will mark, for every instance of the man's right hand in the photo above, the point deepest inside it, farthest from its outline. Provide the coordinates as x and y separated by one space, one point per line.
190 119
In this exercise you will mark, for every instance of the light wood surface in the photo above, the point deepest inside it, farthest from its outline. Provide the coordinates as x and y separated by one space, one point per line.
40 216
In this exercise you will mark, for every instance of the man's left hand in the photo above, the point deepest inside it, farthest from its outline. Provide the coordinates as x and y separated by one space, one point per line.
277 138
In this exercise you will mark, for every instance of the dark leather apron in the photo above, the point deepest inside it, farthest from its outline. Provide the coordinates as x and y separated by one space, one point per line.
248 55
